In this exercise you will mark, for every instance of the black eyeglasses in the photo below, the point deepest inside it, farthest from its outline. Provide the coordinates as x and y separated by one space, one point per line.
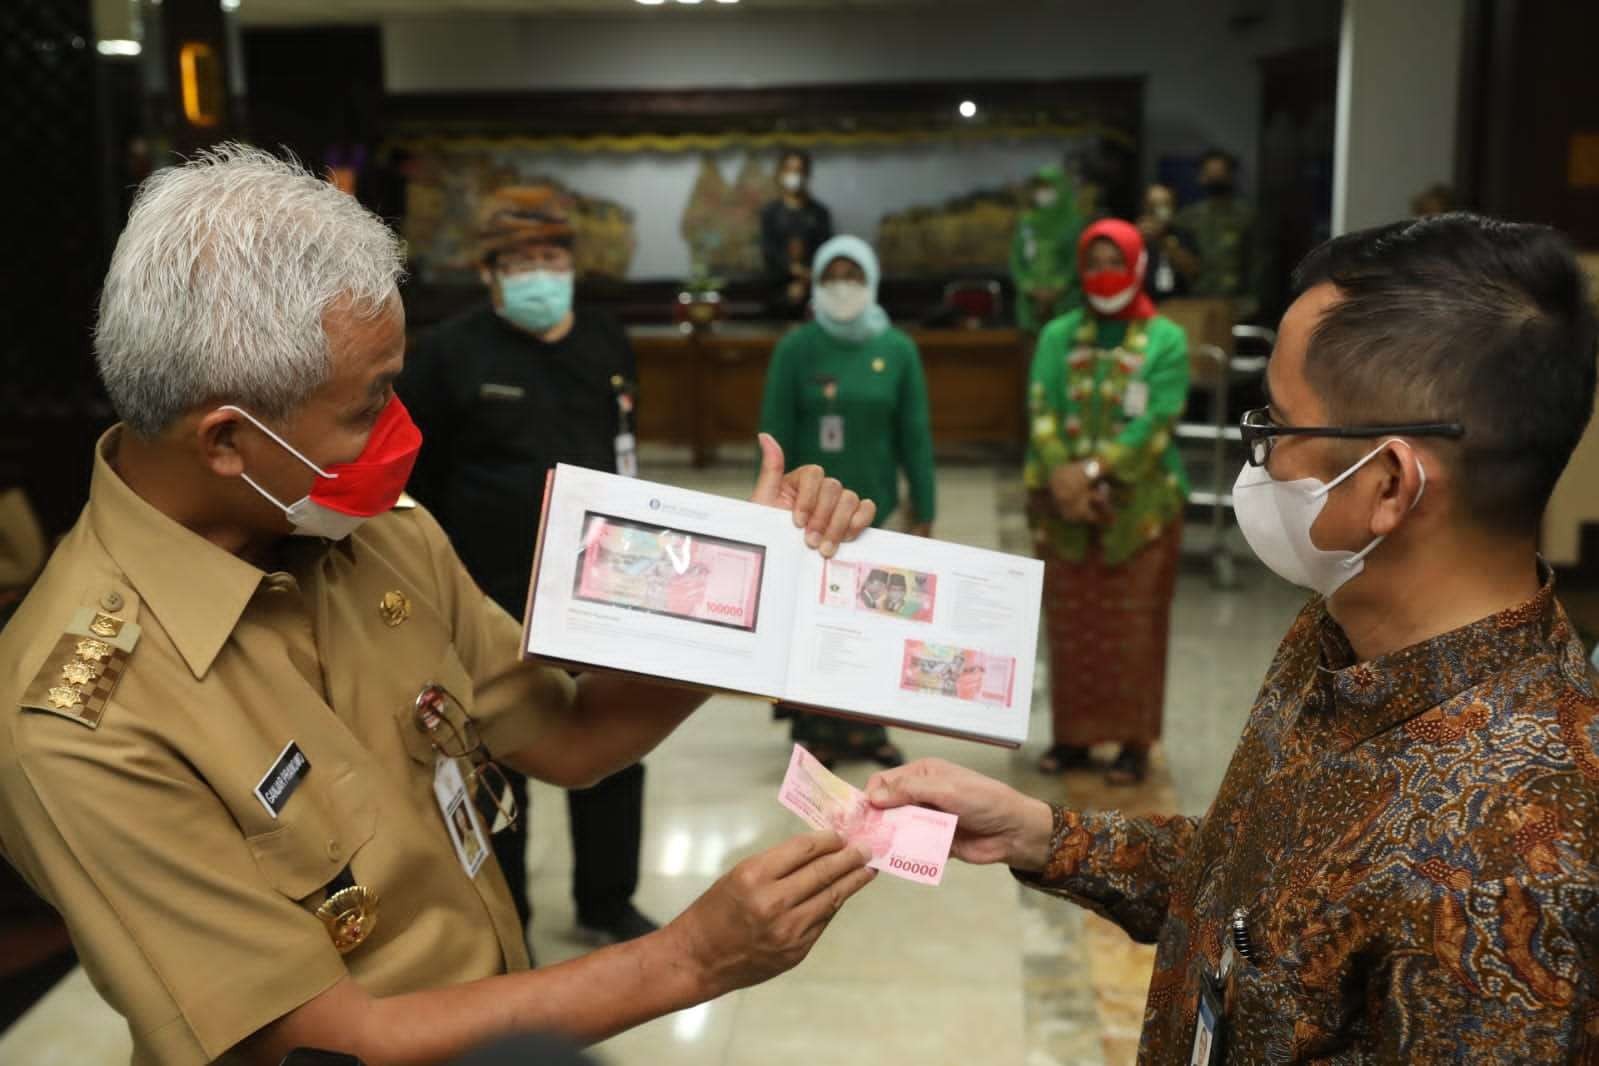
453 734
1260 432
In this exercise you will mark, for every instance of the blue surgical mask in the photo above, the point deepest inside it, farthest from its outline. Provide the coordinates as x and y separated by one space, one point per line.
536 300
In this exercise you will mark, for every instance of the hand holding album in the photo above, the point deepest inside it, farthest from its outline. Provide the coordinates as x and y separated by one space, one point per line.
720 593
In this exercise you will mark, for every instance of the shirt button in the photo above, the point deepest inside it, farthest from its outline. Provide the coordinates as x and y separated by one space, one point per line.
335 850
111 601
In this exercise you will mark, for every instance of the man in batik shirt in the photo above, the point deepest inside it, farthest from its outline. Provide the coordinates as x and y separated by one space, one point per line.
1401 863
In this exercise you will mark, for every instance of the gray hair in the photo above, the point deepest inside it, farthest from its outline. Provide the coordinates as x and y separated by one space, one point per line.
219 282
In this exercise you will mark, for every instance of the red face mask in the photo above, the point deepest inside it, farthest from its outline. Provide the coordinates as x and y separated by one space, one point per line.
346 494
1110 291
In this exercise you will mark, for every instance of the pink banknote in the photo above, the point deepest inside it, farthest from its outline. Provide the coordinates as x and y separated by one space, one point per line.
666 571
908 842
960 673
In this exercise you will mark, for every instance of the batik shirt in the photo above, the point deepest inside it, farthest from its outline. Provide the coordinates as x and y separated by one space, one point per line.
1411 840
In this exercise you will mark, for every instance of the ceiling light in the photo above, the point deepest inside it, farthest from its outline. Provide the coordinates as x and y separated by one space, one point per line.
230 5
968 109
651 3
119 48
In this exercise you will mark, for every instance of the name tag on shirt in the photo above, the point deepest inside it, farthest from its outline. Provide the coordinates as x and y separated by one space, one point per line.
832 433
491 391
626 455
1135 401
282 779
460 820
1165 277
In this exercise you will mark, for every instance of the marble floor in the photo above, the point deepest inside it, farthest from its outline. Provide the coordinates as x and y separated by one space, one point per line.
977 970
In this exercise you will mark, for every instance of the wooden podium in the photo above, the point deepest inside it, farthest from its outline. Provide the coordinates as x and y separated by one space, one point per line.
703 389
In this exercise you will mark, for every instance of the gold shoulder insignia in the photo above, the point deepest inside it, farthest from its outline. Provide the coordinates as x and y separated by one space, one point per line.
82 670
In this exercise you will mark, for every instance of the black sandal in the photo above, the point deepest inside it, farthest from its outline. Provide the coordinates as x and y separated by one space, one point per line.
1064 757
823 754
1130 767
888 756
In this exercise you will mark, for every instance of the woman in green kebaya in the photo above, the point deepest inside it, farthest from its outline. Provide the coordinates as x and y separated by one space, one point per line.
1107 488
846 391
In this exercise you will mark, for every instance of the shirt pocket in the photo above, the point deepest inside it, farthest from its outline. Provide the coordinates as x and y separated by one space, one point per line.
320 833
452 676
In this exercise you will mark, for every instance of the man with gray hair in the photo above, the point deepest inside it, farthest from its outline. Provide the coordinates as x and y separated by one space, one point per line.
254 687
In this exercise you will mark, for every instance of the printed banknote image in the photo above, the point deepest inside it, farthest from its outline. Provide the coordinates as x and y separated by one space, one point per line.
669 571
890 590
959 673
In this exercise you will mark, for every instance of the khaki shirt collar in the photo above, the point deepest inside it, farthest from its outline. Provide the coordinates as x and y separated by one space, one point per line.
196 590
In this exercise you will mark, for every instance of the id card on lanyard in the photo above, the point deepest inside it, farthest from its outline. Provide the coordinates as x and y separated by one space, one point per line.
1210 1014
831 425
460 819
1210 1025
626 444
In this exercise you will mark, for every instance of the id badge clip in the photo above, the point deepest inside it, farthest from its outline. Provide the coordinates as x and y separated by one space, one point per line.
1210 1024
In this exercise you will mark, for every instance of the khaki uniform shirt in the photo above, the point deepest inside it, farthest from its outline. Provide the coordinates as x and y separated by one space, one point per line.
128 800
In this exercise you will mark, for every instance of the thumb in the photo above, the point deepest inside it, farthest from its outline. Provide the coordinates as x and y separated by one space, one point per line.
770 481
893 789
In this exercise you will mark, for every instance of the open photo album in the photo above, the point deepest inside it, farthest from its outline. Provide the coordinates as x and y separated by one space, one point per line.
719 593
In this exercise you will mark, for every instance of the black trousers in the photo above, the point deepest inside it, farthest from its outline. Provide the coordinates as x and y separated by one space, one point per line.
607 830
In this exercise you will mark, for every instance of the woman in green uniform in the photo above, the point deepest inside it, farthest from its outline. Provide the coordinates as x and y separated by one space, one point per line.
1107 488
846 390
1043 254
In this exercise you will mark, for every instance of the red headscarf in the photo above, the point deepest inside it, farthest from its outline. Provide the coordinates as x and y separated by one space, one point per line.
1116 293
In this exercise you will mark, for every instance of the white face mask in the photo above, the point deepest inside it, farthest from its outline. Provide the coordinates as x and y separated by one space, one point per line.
843 301
793 182
307 517
1276 516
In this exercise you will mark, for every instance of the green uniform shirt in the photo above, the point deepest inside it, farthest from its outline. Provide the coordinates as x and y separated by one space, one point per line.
1112 390
1224 233
877 391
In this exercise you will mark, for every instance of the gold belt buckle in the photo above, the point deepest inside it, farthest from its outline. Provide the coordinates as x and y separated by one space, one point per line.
350 915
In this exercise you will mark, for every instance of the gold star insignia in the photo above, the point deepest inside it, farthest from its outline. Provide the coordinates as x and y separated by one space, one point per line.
93 650
79 673
63 697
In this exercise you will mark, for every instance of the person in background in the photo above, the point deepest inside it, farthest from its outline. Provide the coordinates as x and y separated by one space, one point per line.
1043 257
793 226
1173 258
502 393
848 387
1402 860
1222 227
1436 199
1107 488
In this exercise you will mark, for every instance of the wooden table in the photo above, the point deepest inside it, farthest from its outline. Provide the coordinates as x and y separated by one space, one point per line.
702 390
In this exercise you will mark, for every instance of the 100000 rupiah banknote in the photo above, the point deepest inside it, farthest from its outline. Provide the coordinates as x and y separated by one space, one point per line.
668 572
908 842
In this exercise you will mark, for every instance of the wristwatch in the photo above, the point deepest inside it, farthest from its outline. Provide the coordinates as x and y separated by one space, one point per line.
1094 469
